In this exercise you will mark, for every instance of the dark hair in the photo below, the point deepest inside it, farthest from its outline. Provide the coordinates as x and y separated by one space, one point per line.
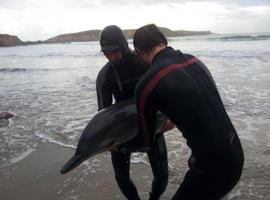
148 37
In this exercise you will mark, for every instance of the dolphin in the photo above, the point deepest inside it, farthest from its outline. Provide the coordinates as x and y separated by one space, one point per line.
5 118
6 115
108 129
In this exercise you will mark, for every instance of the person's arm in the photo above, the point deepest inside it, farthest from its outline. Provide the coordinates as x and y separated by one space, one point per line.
104 90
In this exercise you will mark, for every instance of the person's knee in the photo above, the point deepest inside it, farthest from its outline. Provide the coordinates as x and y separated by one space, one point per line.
162 180
121 178
161 176
165 180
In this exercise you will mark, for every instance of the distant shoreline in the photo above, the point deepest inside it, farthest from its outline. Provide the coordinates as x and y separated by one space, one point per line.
7 40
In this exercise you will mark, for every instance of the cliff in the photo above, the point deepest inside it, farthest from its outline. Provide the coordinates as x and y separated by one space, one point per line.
84 36
169 33
9 40
93 35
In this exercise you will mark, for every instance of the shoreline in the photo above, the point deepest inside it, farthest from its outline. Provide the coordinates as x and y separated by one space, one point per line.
38 177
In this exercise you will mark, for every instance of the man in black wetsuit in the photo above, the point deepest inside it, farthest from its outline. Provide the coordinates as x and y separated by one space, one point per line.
118 79
180 86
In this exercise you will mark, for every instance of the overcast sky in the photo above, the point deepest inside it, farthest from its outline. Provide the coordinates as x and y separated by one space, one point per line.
40 20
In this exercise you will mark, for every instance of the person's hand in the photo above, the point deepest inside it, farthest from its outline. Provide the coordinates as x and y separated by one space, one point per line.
128 148
134 145
168 125
115 148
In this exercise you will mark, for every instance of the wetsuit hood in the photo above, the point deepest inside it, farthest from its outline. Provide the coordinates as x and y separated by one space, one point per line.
112 38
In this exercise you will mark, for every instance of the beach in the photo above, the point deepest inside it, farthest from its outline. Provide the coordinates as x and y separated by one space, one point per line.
38 177
51 89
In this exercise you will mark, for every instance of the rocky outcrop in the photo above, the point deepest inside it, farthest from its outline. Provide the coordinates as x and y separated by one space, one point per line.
9 40
93 35
169 33
84 36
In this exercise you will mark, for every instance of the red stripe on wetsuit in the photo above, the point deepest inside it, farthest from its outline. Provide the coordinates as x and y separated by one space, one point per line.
150 87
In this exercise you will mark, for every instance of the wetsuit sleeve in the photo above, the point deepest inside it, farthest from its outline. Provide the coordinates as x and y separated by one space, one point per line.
104 90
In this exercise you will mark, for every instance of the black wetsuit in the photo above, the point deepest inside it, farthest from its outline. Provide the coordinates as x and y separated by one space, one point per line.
181 87
119 81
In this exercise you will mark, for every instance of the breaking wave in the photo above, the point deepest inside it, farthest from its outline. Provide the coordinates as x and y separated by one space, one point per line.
20 69
251 37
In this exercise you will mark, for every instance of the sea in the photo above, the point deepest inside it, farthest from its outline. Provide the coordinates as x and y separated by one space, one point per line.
51 89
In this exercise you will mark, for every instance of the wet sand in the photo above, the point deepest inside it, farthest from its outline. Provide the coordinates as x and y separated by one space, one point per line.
38 177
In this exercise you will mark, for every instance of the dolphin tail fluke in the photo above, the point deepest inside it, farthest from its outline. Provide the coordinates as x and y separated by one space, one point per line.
73 162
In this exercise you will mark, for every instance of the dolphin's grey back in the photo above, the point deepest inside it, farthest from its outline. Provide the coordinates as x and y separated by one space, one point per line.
110 127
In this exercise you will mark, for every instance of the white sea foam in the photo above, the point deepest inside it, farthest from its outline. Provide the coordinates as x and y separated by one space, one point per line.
16 158
139 158
51 140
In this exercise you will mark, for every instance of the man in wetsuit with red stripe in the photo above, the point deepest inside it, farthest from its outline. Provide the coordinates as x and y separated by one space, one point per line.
180 86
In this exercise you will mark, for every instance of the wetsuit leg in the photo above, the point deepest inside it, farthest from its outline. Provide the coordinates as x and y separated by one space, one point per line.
159 163
216 182
121 165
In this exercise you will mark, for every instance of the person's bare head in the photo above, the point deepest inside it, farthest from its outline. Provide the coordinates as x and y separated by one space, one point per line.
148 41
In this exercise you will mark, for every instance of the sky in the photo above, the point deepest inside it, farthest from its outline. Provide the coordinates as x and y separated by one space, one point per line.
33 20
